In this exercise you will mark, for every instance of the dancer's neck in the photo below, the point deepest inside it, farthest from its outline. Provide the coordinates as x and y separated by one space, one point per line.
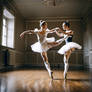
67 29
43 29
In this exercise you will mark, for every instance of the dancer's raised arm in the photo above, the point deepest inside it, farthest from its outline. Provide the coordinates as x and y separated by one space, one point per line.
68 33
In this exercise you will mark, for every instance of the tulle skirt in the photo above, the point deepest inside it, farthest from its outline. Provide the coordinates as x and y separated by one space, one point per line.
43 47
69 46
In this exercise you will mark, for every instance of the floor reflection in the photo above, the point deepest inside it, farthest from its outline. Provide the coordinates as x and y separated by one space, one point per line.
28 82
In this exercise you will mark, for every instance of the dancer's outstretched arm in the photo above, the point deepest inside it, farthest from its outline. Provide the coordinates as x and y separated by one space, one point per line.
53 30
26 32
67 33
61 33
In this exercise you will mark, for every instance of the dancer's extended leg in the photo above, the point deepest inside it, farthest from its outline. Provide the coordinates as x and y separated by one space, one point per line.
58 42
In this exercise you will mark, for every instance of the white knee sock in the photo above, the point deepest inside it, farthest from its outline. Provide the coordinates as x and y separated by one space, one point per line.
66 67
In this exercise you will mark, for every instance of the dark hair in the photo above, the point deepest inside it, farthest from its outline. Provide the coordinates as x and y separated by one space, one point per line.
67 23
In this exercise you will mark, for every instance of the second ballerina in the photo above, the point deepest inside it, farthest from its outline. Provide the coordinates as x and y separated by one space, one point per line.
69 47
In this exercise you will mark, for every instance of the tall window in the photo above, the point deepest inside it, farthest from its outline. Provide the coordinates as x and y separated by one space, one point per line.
8 29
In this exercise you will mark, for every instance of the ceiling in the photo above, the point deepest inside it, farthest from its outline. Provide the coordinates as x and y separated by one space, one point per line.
59 8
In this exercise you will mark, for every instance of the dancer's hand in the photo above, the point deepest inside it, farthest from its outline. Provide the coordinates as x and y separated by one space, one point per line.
59 30
56 29
22 35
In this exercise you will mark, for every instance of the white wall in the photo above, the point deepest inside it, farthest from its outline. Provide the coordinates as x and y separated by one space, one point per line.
88 42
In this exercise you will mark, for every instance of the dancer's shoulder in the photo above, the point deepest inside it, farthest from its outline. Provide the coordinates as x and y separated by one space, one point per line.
36 30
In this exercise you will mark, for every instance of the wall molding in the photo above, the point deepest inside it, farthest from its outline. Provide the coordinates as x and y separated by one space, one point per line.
54 58
16 57
53 19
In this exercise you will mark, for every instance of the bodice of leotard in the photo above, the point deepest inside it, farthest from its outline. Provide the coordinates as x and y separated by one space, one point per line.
69 39
42 37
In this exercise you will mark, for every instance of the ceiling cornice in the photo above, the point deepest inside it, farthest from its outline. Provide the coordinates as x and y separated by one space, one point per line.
53 19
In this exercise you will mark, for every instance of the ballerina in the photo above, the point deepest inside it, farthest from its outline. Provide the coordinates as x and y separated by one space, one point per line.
44 43
70 46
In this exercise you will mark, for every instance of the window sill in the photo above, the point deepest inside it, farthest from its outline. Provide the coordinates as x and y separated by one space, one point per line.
4 47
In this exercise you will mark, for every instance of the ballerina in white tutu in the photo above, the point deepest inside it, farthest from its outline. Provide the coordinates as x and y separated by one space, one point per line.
70 46
44 43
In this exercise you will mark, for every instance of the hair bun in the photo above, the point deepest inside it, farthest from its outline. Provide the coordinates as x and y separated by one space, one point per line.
67 21
41 21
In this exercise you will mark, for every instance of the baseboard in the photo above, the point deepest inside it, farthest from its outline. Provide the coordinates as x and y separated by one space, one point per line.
6 68
30 66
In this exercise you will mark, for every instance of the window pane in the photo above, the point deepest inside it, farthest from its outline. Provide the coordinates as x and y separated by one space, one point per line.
10 38
4 33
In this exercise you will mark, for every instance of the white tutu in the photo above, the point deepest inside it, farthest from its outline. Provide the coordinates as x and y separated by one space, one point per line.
68 46
42 47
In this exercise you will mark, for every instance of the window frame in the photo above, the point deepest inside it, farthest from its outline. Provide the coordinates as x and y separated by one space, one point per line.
4 17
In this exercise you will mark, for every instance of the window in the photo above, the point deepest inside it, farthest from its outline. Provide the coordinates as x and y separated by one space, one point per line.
8 29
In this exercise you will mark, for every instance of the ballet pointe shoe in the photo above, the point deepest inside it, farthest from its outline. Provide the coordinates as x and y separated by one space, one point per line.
65 70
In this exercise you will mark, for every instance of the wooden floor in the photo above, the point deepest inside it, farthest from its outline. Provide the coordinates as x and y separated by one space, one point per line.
39 81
